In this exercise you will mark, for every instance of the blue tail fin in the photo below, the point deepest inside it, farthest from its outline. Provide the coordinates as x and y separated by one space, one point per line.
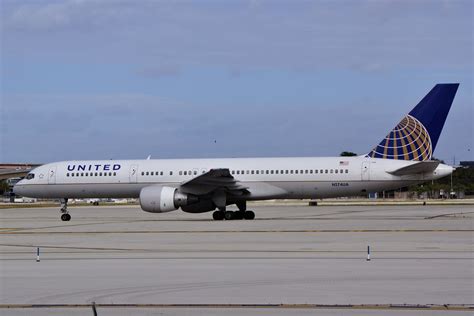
417 134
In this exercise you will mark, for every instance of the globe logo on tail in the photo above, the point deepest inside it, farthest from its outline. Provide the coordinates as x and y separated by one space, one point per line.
409 140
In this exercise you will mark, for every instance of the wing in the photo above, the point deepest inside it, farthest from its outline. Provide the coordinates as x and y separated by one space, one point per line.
213 180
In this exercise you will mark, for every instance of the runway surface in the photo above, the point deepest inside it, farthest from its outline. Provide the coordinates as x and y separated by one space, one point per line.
420 255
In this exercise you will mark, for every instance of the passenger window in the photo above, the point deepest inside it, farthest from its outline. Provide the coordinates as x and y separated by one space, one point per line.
311 171
238 172
306 171
326 171
291 171
115 173
267 172
252 172
171 173
161 173
147 173
180 173
316 171
335 171
96 174
232 172
271 171
67 175
100 174
276 171
242 172
347 170
152 173
195 172
286 171
256 171
72 174
143 173
77 174
296 171
82 174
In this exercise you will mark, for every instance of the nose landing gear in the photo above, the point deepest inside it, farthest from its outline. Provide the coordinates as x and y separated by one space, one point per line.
65 214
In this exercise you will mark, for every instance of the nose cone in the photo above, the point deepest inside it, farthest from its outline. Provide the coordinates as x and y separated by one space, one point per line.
18 188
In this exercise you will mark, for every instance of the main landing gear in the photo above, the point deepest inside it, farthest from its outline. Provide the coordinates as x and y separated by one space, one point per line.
230 215
65 214
242 213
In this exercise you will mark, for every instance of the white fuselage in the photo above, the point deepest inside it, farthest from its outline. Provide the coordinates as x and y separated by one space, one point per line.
265 178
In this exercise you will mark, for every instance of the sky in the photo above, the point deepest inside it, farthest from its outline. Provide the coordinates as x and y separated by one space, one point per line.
181 79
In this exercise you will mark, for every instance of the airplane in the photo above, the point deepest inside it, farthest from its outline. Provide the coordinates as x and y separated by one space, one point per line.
401 159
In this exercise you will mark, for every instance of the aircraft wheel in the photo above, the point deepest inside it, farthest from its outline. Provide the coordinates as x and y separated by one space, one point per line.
218 215
229 215
65 217
249 215
239 215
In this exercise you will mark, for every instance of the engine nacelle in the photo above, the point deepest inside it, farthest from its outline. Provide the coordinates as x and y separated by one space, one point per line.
158 199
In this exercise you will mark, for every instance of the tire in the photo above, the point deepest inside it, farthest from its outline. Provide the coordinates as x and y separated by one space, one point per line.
218 215
249 215
229 215
239 215
65 217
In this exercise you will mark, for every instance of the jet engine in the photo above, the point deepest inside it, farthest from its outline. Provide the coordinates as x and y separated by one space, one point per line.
159 199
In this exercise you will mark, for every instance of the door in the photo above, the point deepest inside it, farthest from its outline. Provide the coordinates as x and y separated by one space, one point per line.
365 172
133 173
52 175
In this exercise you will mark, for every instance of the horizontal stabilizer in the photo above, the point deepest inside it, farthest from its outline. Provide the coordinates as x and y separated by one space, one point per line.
419 167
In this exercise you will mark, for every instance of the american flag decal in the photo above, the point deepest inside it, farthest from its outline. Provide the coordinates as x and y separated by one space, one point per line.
343 163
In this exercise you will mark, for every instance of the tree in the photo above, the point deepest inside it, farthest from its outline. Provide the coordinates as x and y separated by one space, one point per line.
4 187
348 154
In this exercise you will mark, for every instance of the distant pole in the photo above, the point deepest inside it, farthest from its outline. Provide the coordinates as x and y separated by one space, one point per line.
37 254
368 253
94 310
451 185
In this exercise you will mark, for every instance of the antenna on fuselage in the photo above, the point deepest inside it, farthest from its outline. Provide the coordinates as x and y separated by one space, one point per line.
148 158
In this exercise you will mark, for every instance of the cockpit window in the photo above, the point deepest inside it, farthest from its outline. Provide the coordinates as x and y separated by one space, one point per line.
30 176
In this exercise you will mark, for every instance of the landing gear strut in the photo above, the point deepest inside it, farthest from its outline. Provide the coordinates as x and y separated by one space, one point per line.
65 214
